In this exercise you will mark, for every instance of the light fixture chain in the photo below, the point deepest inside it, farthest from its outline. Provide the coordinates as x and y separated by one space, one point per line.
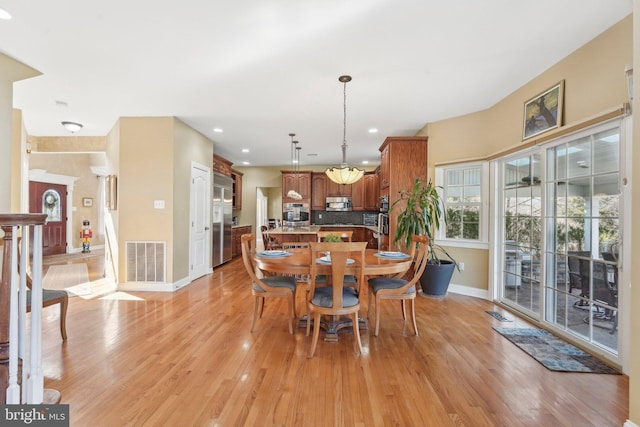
344 134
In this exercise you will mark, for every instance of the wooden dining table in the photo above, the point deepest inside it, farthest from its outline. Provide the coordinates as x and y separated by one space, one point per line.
299 264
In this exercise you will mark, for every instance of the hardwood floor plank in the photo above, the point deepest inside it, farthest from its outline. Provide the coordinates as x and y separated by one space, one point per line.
188 358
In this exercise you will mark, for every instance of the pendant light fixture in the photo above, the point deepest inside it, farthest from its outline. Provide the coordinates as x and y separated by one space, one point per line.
344 174
295 161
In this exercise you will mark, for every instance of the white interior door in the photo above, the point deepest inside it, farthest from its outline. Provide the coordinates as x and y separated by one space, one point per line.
200 236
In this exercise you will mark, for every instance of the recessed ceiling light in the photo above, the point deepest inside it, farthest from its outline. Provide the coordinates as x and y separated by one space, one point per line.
246 163
373 130
365 162
217 130
245 150
4 14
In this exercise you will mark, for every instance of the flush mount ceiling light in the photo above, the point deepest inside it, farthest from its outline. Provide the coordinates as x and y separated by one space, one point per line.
72 127
344 174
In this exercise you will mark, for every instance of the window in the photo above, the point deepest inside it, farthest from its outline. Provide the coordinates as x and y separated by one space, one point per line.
463 191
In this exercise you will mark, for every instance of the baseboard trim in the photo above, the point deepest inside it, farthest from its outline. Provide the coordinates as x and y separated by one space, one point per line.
469 291
630 423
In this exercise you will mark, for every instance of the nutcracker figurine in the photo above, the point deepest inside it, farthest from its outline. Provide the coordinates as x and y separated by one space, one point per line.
85 236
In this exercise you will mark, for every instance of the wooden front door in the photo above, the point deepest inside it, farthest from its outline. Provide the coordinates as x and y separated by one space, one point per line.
52 200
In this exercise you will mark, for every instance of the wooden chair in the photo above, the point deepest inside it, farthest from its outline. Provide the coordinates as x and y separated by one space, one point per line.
52 297
398 288
270 242
337 299
267 287
346 235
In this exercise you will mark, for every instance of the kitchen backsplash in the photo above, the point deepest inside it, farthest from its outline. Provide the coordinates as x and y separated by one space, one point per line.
353 217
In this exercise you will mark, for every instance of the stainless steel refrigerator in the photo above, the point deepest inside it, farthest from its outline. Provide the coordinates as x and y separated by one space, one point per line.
222 221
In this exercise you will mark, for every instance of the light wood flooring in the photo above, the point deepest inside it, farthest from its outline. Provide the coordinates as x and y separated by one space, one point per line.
188 359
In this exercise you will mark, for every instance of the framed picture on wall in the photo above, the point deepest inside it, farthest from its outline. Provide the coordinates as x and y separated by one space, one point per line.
544 111
87 202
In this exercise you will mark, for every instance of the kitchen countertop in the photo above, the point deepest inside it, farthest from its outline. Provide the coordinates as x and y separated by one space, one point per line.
312 229
241 225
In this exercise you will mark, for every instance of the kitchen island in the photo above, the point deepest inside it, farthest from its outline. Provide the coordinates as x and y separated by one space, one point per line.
361 233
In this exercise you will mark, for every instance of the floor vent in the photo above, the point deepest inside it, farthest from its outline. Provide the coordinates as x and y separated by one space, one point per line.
146 261
498 316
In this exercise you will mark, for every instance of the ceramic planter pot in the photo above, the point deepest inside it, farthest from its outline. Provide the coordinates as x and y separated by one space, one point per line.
436 278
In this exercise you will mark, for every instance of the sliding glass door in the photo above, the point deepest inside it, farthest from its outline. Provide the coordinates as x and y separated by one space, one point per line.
583 230
560 234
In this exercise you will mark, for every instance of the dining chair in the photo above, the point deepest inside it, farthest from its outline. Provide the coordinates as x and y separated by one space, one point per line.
267 287
397 288
346 235
269 242
51 297
337 299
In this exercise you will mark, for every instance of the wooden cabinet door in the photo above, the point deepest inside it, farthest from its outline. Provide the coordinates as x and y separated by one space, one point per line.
338 190
304 182
237 189
318 191
371 192
357 195
384 167
299 182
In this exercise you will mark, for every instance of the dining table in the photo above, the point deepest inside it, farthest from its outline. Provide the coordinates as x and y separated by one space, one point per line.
297 262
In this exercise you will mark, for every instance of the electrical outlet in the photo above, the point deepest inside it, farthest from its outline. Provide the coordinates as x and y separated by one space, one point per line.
319 216
461 264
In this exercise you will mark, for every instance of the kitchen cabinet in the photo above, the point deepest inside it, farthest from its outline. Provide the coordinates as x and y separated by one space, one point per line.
236 239
403 160
357 195
236 189
337 190
384 166
298 181
221 165
318 191
371 192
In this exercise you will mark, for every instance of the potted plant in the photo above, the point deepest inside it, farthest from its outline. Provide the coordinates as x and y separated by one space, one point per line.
333 238
423 214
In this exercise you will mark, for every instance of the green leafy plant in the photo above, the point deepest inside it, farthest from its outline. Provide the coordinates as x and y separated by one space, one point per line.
422 214
332 238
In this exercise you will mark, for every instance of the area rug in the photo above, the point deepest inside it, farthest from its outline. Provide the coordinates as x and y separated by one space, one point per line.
65 276
552 352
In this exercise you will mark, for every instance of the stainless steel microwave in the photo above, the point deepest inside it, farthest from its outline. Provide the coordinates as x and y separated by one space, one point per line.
339 204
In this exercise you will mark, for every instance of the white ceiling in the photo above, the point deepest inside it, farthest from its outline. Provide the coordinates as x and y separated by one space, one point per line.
262 69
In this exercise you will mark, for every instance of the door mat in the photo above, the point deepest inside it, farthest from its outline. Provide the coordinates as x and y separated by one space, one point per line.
554 353
498 316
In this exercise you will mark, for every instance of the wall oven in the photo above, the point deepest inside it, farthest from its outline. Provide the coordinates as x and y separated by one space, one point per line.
295 215
338 204
384 203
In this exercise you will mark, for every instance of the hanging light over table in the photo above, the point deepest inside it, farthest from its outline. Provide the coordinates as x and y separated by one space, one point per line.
344 174
295 160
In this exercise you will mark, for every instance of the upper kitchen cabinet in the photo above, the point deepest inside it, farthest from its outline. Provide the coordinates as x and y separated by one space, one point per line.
318 191
384 165
370 183
357 195
403 160
236 189
337 190
300 182
222 165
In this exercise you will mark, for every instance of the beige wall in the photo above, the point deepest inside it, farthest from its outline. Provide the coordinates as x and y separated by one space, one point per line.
594 83
11 134
153 162
634 357
145 174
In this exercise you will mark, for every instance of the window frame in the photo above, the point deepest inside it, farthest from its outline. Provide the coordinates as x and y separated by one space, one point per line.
483 240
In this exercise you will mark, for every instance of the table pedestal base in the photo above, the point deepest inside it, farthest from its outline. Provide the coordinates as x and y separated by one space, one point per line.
333 324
